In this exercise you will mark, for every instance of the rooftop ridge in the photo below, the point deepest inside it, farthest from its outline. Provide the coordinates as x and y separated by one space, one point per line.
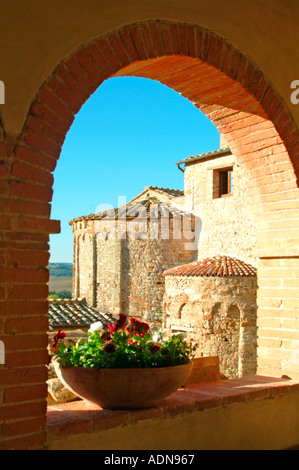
218 266
171 193
167 190
202 156
131 210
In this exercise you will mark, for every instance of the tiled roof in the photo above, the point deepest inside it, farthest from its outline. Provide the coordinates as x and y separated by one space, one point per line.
132 210
168 191
219 266
214 153
74 314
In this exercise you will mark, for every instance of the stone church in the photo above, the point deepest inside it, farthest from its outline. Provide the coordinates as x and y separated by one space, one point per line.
180 260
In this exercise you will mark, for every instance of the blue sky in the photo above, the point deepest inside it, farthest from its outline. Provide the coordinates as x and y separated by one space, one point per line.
128 135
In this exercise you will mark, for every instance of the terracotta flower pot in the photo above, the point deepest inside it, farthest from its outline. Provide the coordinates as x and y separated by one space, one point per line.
124 388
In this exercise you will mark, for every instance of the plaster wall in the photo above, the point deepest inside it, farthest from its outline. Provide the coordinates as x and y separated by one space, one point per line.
38 35
270 424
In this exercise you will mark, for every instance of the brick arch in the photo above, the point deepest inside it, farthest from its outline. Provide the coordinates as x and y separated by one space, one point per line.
211 73
202 66
224 84
245 107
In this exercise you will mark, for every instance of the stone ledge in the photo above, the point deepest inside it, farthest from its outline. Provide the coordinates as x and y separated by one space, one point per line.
81 417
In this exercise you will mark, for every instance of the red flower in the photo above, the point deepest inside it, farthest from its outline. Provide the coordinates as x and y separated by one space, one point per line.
119 324
121 321
54 346
109 347
137 327
106 336
60 335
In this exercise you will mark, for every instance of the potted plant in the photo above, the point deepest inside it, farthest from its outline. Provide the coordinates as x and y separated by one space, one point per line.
121 366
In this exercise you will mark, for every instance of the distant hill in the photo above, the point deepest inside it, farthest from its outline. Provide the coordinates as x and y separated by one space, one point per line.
61 270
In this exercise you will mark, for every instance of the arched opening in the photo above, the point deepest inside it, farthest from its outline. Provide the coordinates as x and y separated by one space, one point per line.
238 99
127 136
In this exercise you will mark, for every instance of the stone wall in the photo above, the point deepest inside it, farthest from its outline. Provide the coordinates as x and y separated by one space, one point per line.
227 222
218 315
84 278
125 273
107 259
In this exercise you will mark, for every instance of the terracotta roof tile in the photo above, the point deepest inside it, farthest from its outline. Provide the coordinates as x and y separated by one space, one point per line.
74 314
218 266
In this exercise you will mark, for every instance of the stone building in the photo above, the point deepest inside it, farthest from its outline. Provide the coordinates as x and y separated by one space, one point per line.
216 189
120 255
213 301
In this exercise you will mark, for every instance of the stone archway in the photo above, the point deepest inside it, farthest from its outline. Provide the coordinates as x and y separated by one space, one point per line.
237 98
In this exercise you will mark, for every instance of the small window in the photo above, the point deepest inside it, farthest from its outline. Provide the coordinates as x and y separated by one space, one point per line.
223 182
226 182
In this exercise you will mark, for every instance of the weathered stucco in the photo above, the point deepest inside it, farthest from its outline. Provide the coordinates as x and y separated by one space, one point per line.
242 416
51 30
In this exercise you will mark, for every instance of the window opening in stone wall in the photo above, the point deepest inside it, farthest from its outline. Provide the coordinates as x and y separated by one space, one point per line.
226 182
223 182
